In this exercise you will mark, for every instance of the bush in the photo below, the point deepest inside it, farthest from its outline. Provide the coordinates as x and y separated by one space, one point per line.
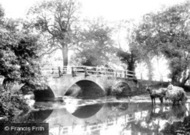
12 104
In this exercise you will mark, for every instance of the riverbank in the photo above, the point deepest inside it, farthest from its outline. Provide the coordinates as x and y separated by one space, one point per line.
146 98
158 84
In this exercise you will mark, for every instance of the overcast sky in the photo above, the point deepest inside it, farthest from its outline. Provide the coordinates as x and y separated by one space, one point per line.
109 9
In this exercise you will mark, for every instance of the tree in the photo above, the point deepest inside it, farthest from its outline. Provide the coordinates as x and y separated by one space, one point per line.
134 53
18 54
129 58
19 58
1 12
95 46
167 33
18 63
57 18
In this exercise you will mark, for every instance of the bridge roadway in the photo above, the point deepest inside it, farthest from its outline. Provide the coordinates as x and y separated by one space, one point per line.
83 82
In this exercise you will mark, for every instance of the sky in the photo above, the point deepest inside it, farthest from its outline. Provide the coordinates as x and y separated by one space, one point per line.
109 9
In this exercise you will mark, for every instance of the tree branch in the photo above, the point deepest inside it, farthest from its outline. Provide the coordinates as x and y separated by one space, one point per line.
50 51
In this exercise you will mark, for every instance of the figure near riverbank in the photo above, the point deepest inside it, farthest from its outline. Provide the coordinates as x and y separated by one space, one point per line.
173 93
156 93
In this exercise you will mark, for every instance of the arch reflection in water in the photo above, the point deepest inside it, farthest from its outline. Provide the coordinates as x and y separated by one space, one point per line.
40 116
43 93
87 111
34 116
89 119
118 119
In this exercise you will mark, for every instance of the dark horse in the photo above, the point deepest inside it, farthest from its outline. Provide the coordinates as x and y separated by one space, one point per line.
156 93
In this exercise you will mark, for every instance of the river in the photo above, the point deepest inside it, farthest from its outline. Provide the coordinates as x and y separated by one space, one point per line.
111 116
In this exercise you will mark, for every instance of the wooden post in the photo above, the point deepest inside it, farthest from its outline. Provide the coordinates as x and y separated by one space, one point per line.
64 70
86 72
98 72
125 72
52 71
73 72
59 71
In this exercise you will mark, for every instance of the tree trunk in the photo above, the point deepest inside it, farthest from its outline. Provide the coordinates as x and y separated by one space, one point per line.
65 55
185 78
131 67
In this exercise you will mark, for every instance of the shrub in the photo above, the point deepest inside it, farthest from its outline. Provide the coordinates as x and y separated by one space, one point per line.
12 104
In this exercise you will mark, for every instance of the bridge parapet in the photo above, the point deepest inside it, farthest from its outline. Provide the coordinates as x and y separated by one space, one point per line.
88 71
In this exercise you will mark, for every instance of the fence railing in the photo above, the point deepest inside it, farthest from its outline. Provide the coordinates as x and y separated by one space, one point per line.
89 71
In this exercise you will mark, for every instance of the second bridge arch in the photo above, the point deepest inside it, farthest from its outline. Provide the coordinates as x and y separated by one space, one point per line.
85 89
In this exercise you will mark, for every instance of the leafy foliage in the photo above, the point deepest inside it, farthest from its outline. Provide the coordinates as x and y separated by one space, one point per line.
167 33
133 53
56 18
11 104
130 58
96 45
19 51
18 57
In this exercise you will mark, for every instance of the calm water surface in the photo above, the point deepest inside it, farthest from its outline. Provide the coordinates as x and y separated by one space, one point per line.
109 116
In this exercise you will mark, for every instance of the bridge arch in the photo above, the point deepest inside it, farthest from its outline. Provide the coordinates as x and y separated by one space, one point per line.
121 88
45 94
41 94
86 89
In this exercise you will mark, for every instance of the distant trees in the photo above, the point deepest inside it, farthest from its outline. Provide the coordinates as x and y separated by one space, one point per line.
1 12
57 19
134 53
95 46
167 33
129 58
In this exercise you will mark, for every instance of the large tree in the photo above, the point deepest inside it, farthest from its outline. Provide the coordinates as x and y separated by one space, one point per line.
95 45
167 33
130 58
58 19
131 53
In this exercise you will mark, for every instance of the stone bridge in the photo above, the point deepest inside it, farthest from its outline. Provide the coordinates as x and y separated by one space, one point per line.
84 82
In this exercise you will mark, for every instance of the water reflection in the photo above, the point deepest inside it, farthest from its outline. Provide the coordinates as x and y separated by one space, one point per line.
87 111
158 119
33 117
118 118
111 116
